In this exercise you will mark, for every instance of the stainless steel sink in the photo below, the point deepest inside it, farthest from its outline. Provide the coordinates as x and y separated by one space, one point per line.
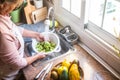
65 47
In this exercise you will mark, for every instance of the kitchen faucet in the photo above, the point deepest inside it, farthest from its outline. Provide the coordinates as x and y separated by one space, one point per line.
47 21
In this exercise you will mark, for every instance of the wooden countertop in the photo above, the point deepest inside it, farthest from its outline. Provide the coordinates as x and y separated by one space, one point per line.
92 69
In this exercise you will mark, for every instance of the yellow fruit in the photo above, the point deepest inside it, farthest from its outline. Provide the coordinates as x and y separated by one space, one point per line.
74 72
66 63
56 24
61 68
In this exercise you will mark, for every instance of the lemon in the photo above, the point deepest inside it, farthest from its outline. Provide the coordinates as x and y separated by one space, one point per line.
66 63
56 24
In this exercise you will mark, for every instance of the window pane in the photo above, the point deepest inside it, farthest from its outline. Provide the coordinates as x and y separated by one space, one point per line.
112 17
96 8
76 7
66 4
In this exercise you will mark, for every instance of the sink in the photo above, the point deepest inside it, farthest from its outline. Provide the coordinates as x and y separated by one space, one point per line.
65 47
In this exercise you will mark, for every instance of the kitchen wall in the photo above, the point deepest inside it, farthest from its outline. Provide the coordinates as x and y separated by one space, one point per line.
48 3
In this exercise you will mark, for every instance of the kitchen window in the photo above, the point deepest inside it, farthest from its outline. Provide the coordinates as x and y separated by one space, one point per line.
102 21
97 22
73 6
104 17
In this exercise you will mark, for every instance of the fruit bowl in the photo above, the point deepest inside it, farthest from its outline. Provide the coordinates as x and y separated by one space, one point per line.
64 70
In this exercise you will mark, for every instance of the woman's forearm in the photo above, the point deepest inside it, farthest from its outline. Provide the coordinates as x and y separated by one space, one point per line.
31 59
28 33
33 34
34 58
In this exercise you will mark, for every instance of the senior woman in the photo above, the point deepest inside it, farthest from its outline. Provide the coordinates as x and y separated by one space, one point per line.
12 44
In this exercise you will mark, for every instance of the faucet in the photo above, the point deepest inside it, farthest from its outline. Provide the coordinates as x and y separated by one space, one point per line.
49 11
47 21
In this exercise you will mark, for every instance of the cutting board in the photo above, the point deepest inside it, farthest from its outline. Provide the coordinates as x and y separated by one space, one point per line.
28 10
39 14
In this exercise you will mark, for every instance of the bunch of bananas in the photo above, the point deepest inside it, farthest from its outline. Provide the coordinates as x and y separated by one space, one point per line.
66 71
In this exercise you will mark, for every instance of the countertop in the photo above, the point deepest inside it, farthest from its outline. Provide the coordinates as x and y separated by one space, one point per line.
92 69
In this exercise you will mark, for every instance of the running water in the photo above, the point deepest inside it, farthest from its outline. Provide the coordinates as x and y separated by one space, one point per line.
47 24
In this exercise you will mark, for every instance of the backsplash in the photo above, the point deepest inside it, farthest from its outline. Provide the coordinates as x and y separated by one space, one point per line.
48 3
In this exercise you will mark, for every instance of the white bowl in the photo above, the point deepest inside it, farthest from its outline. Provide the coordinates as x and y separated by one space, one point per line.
53 38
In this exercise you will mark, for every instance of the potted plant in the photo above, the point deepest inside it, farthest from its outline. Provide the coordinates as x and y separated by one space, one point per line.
16 13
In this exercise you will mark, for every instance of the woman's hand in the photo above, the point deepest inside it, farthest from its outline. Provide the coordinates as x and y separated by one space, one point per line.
33 34
41 55
39 37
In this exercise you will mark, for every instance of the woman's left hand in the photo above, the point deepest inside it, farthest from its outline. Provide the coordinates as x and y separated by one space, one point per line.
41 55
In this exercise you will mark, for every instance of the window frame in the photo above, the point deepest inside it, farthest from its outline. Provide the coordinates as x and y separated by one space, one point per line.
98 48
70 9
100 32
